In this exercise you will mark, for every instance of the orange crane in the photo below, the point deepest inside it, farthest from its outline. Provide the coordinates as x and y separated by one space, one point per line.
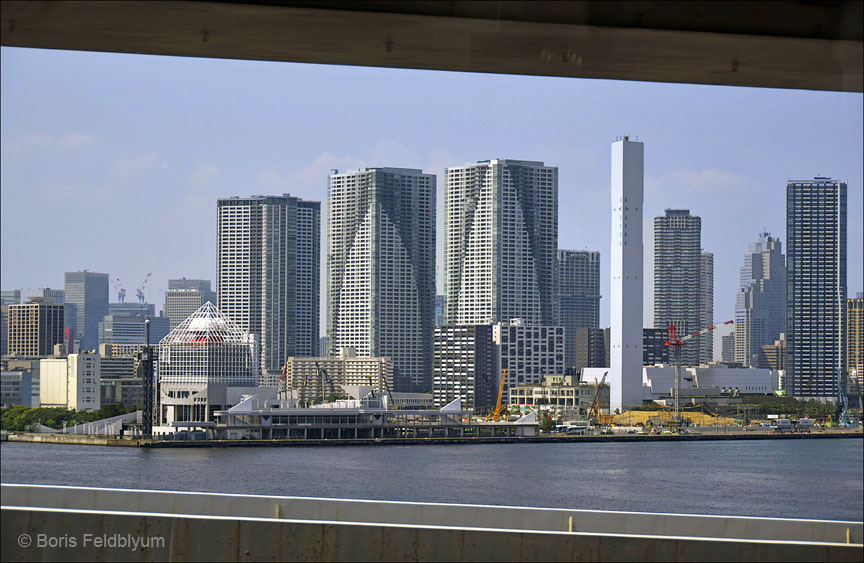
672 339
500 409
595 406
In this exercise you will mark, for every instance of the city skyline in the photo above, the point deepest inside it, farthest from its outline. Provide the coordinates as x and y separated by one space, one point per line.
63 158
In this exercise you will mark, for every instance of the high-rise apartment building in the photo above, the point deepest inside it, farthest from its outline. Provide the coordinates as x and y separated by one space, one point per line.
268 278
760 304
88 292
678 289
183 297
855 338
381 269
501 242
625 307
815 286
578 295
464 366
706 306
35 327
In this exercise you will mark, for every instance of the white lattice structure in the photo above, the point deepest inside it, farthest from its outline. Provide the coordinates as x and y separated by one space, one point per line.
198 361
208 348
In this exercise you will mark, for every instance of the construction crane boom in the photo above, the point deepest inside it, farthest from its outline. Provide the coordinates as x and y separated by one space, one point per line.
672 339
499 408
139 293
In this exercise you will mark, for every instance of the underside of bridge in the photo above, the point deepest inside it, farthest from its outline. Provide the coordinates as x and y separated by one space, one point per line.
814 45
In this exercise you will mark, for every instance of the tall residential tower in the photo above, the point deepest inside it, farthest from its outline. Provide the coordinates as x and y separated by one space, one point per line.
268 264
679 292
501 242
815 286
381 269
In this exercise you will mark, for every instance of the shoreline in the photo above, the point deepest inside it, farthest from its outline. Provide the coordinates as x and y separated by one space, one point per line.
74 439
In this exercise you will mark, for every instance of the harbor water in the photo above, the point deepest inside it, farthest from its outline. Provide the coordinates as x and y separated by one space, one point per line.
819 479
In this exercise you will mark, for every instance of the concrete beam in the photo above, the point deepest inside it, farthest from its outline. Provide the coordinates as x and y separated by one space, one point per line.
409 40
169 537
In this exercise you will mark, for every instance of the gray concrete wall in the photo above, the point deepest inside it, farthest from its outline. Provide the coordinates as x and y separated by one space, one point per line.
451 515
198 538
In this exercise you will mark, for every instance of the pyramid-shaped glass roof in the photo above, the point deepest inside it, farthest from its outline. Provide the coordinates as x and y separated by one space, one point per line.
206 325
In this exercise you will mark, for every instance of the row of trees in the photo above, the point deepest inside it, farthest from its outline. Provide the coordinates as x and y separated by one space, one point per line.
21 419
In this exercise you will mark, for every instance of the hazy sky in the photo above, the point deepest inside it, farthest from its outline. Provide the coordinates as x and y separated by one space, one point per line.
113 163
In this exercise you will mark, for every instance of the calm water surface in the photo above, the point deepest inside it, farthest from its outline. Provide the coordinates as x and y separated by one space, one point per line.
782 478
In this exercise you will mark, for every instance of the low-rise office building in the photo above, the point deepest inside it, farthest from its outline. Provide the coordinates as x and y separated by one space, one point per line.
562 397
71 382
528 353
15 388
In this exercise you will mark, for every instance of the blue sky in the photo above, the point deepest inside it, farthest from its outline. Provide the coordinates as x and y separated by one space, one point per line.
113 162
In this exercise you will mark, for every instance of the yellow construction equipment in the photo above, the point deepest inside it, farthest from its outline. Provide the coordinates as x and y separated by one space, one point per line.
500 409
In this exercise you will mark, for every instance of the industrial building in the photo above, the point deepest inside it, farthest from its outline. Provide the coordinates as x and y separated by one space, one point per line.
198 362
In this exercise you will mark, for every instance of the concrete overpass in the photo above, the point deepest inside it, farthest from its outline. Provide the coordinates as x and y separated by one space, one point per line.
777 44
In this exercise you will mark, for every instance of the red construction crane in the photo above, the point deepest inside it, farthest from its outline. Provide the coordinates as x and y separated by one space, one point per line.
121 291
672 339
140 291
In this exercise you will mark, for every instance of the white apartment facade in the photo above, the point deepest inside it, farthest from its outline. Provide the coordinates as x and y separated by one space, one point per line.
381 269
500 254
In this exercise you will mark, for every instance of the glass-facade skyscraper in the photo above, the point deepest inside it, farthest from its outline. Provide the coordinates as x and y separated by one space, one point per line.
88 293
268 274
381 269
815 286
